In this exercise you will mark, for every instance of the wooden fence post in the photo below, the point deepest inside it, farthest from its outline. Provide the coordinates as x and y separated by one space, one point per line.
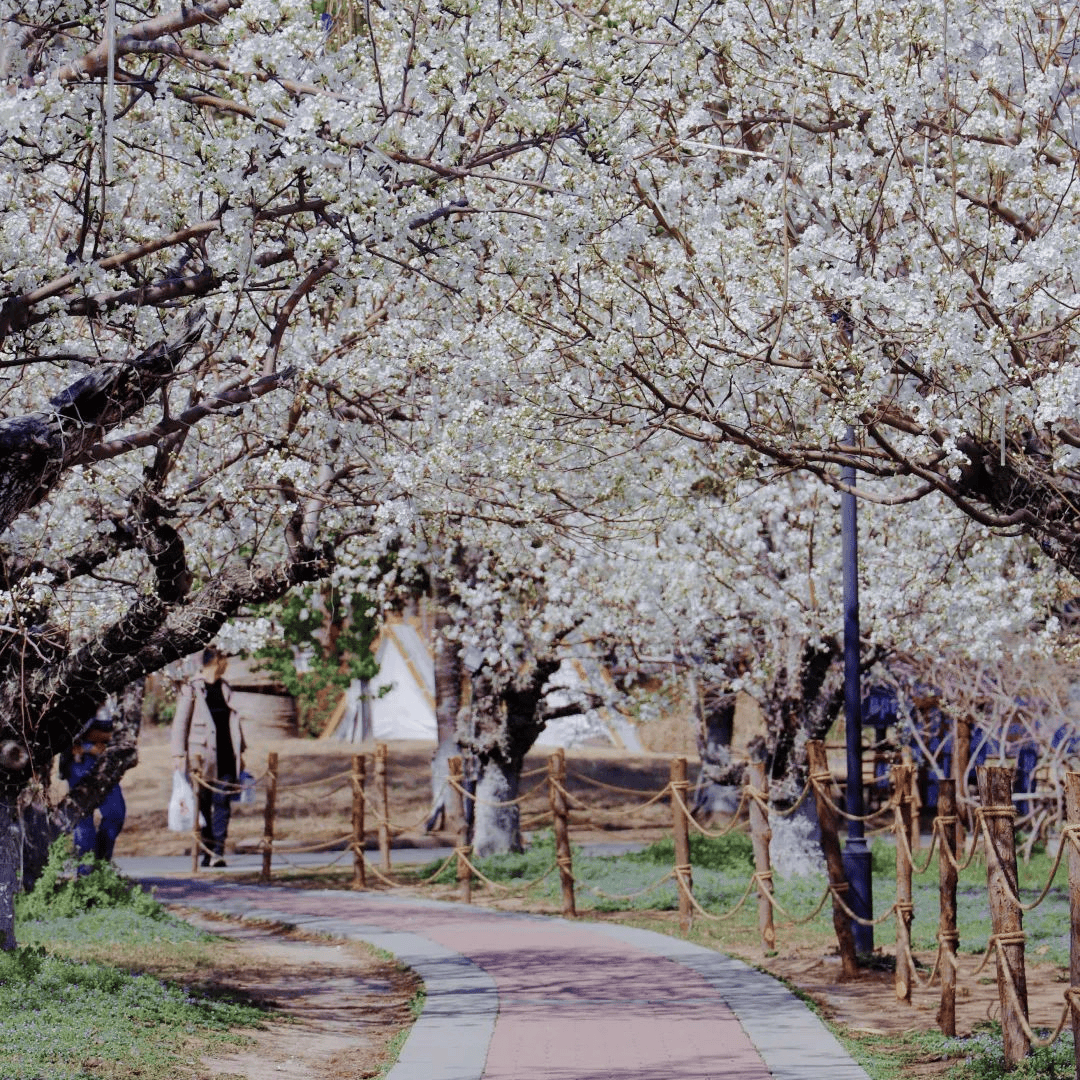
995 793
1072 816
961 768
902 776
761 835
915 800
268 815
684 879
381 783
464 874
948 938
359 772
821 776
196 831
560 814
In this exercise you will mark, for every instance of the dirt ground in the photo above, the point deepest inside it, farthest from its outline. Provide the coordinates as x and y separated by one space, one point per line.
319 1044
341 1005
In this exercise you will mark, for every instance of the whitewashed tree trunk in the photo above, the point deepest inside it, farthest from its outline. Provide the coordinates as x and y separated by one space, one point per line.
448 668
497 828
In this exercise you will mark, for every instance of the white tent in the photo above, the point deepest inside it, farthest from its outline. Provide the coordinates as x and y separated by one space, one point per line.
399 703
577 679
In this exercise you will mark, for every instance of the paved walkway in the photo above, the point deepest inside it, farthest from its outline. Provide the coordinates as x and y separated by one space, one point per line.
521 997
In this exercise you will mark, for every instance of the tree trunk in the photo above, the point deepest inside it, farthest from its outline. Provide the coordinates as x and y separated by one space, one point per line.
806 701
10 844
497 828
505 723
448 671
717 789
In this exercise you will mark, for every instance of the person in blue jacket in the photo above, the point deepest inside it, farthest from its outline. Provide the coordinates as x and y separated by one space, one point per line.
90 837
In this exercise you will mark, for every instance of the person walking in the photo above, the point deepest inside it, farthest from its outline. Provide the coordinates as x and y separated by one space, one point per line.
88 836
207 736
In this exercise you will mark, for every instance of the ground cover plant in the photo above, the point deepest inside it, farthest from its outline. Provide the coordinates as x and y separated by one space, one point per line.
67 1011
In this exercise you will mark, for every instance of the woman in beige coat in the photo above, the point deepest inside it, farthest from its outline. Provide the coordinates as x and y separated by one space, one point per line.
206 735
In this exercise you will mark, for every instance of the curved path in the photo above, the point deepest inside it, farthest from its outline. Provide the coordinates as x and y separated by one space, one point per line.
521 997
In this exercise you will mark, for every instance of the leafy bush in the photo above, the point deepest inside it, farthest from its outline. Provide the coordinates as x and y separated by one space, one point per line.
71 885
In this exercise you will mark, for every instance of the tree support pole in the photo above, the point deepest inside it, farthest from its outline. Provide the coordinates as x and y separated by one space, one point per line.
995 794
961 770
902 777
684 878
824 792
560 814
761 836
196 832
381 752
1072 814
359 770
463 850
948 826
268 816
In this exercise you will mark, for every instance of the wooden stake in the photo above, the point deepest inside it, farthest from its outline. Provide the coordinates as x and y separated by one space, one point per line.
381 752
961 768
761 836
915 799
995 793
1072 816
902 776
464 874
947 825
196 831
359 772
560 814
834 860
680 828
456 770
268 815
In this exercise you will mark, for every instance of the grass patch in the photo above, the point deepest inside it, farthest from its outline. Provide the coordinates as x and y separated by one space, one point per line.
62 1018
68 1014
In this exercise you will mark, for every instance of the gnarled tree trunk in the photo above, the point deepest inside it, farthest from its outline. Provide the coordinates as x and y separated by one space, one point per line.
505 723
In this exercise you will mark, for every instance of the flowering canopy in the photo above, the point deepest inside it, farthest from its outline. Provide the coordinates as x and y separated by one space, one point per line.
462 275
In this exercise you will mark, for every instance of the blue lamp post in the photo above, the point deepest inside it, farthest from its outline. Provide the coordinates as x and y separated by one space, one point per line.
856 853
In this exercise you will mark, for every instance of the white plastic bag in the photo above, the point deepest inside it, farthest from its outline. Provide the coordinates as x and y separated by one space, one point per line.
182 804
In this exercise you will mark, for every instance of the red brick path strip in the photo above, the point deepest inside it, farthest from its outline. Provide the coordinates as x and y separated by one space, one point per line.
574 1002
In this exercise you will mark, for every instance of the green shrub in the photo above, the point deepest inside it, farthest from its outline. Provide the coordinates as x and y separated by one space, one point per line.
72 884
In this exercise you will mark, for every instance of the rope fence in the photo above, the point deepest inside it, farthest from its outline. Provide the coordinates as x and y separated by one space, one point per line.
990 827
